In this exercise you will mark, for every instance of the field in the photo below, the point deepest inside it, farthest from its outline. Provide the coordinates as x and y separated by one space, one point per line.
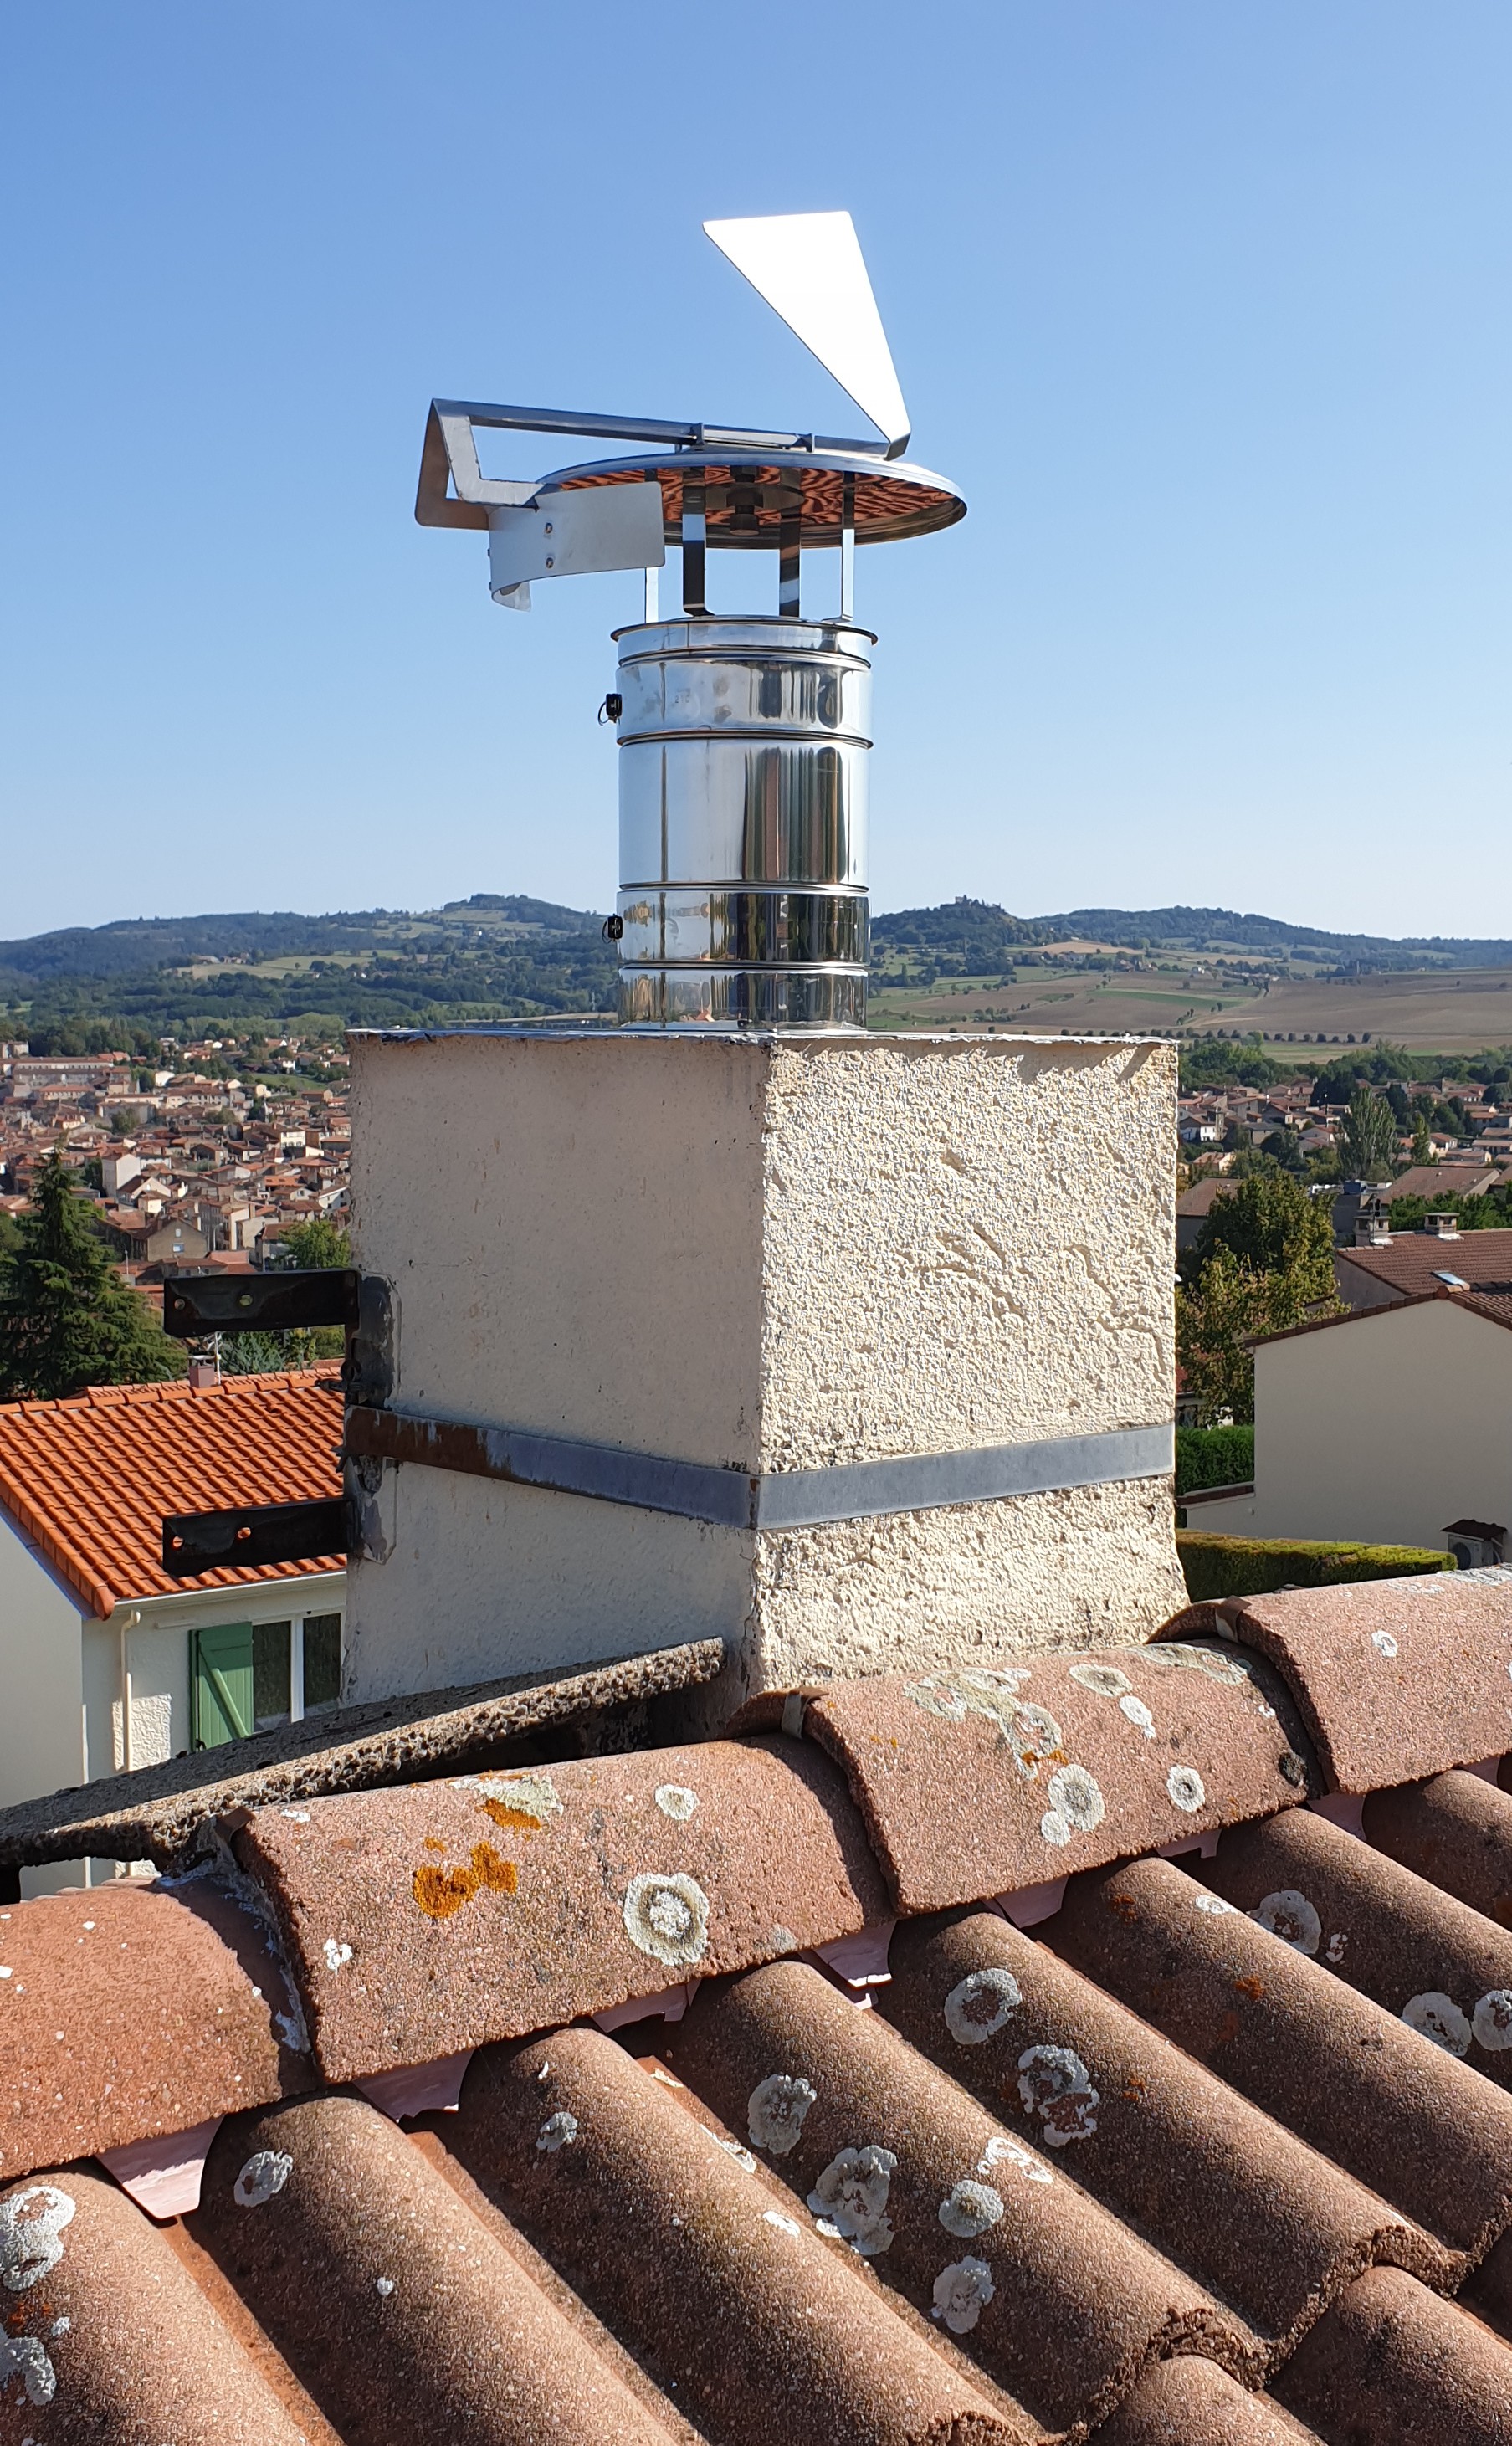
1426 1010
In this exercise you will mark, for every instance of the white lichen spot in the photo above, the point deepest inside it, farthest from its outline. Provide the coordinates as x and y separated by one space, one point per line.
1179 1653
32 2228
5 1970
783 2224
1055 1828
1289 1915
674 1800
1106 1679
1000 2151
1216 1906
668 1917
1437 2017
968 2208
60 2327
936 1698
385 2285
1383 1643
533 1795
851 2194
732 2149
338 1954
1056 2085
775 2111
299 1816
262 2178
1187 1788
783 1940
962 2292
557 2132
26 2358
830 2233
1137 1714
978 2006
1491 2022
1336 1945
1076 1794
1034 1735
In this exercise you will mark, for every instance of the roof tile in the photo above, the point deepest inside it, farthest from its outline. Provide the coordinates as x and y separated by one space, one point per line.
417 2303
1395 1679
1456 1829
427 1920
974 1780
1189 2402
1420 2127
128 2011
1445 1968
1269 2225
1072 2307
90 1479
758 2326
1394 2364
108 2336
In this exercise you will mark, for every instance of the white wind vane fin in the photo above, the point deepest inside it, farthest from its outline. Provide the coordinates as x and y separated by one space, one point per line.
810 269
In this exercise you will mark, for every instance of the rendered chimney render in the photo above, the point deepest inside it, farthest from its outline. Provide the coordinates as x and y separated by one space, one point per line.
792 1928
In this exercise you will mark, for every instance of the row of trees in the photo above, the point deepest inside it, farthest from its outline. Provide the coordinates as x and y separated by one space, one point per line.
68 1320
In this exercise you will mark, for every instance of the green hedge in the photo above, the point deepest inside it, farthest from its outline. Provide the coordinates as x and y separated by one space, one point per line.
1212 1456
1248 1566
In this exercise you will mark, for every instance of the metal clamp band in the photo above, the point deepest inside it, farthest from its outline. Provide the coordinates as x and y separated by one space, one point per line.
789 1499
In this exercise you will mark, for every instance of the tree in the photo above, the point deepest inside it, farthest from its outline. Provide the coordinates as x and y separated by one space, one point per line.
1231 1306
1368 1135
319 1242
66 1319
1269 1226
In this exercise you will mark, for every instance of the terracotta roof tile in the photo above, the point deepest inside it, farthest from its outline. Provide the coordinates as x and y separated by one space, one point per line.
1268 2225
974 1780
1456 1829
127 2011
417 2303
1414 1261
427 1920
89 1480
755 2324
1441 1968
1395 1679
1424 2131
1276 2213
1071 2306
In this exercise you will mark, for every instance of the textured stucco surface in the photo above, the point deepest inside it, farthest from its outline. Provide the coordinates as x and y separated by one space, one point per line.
966 1243
764 1253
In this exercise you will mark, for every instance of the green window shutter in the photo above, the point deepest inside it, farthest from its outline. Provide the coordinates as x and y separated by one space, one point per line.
222 1684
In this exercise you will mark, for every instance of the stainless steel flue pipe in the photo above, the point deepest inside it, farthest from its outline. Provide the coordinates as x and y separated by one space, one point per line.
742 767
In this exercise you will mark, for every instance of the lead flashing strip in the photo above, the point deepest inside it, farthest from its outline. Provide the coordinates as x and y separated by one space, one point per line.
789 1499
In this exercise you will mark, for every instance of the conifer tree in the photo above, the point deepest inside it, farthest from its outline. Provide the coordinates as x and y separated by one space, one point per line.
66 1319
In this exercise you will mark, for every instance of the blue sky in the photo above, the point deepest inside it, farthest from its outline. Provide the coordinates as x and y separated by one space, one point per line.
1203 303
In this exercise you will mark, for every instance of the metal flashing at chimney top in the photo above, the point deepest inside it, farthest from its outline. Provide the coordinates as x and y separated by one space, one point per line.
792 1499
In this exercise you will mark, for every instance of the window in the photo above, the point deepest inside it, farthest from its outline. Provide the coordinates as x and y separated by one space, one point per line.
322 1660
250 1677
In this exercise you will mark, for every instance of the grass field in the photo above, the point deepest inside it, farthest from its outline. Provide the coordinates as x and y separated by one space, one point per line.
1449 1010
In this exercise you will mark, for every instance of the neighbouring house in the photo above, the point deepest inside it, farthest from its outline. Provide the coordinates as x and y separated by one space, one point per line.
1440 1258
1194 1206
1383 1425
105 1663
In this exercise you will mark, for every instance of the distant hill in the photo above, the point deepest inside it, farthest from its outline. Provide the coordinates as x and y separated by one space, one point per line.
505 955
966 924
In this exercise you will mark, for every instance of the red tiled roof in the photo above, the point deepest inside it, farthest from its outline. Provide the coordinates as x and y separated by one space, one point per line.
89 1480
1495 1306
1415 1261
1199 2152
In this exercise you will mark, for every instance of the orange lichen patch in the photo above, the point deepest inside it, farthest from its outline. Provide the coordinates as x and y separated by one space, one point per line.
434 1843
440 1891
503 1815
1252 1987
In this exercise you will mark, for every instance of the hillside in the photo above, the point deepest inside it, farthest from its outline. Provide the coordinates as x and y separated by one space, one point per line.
499 956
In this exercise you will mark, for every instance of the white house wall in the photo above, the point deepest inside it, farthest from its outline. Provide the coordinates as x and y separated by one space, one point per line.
1383 1430
41 1690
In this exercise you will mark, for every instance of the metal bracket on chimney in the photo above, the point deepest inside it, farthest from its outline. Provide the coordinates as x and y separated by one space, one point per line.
195 1305
260 1533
